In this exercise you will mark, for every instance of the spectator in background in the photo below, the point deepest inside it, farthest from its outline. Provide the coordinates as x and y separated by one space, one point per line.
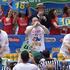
35 34
46 55
45 60
65 48
41 15
66 14
23 20
8 22
4 43
53 21
25 65
66 11
14 14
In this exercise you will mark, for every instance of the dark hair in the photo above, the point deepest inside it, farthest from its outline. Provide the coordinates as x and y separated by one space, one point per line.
46 54
37 56
21 14
51 14
25 56
65 9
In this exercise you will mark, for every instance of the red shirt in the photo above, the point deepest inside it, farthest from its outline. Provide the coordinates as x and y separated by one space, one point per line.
22 24
65 15
8 25
54 30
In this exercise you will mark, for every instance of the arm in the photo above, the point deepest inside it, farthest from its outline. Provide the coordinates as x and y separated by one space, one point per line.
15 17
29 11
4 47
54 22
45 29
55 25
6 44
67 45
29 29
66 41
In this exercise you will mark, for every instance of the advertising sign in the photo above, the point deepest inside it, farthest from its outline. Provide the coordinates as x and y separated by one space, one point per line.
52 42
64 21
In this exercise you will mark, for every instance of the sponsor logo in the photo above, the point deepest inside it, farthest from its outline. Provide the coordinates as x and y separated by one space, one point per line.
14 39
50 39
55 49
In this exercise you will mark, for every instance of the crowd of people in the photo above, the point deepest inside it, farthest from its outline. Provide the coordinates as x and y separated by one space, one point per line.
16 22
34 26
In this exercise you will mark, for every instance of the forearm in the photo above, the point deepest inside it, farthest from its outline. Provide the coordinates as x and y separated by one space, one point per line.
45 29
67 45
55 25
29 30
29 13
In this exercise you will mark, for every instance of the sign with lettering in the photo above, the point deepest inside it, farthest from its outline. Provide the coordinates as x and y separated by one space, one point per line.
64 21
51 42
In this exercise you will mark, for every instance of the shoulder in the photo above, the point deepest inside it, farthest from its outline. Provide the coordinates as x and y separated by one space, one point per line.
66 38
28 27
17 65
67 35
4 33
34 66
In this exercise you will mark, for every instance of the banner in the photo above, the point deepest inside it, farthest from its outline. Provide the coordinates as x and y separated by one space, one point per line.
64 21
4 2
51 42
34 2
21 5
15 42
46 0
67 21
48 5
56 5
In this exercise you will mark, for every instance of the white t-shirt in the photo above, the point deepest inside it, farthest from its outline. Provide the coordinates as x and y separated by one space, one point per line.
36 38
63 47
4 42
26 66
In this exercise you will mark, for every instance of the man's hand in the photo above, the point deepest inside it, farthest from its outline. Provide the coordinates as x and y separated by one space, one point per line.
34 24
